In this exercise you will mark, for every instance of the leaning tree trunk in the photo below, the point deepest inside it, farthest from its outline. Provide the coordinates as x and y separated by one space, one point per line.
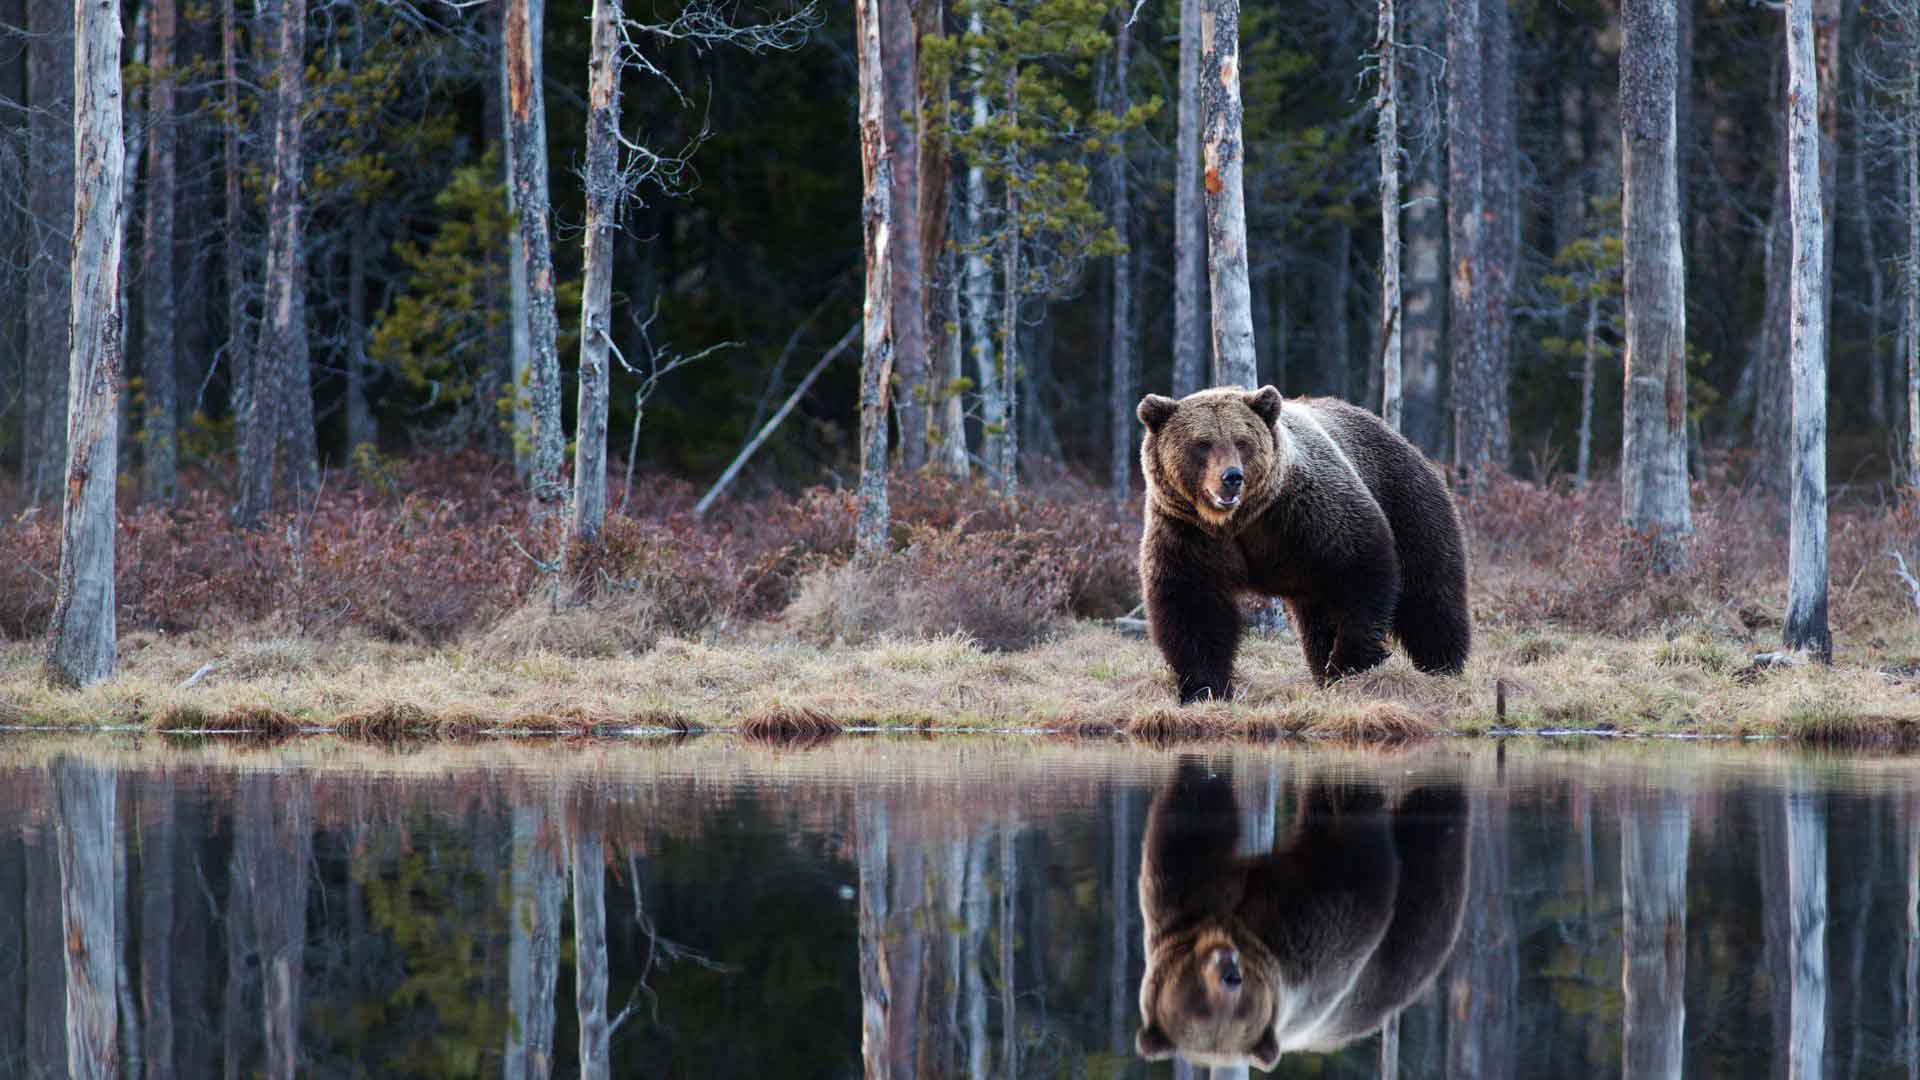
900 90
1653 886
81 637
1806 626
527 138
86 796
1653 457
1120 388
1224 153
1189 219
876 364
1466 327
1389 139
596 299
157 363
1500 229
52 75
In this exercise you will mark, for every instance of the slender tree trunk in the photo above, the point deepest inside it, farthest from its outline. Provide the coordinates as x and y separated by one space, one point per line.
239 351
979 287
86 793
157 357
1120 907
1120 378
1330 331
1862 200
361 429
953 412
157 831
1653 457
81 639
1806 626
1588 355
1425 310
1189 216
301 438
51 78
1009 995
1913 259
533 947
974 979
1771 384
241 985
596 299
900 90
519 328
876 363
1388 137
1010 379
1653 874
527 142
1500 231
1466 326
1224 155
590 953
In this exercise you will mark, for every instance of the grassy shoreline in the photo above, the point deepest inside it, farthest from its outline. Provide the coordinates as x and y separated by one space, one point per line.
1086 679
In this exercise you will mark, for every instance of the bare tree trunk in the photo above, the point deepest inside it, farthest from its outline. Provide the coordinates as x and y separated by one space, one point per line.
157 308
1189 217
596 298
974 980
51 78
86 793
81 638
1500 230
1425 311
1232 308
239 353
1388 136
876 363
1913 263
276 845
1653 874
519 329
1009 996
1806 626
1653 458
979 287
1334 375
590 953
157 830
1120 377
880 1057
1806 830
533 947
361 429
1863 200
900 91
301 437
1009 477
1588 355
953 411
1466 326
527 143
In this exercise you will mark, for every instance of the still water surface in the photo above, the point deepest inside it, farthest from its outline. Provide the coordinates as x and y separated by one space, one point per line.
954 908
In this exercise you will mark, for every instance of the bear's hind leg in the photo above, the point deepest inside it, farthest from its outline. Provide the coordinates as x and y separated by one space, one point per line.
1435 632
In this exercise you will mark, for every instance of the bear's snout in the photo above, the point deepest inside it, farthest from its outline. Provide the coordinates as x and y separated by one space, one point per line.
1231 481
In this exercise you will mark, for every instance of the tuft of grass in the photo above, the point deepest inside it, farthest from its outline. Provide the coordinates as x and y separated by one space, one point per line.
786 725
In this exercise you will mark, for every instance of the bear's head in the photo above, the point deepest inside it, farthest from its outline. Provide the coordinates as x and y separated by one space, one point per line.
1210 454
1209 1002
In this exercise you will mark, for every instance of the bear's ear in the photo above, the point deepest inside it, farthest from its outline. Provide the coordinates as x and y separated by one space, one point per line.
1266 1052
1266 403
1152 1044
1155 411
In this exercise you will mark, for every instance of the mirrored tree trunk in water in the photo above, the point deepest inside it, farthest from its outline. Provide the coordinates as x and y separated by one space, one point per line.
590 950
157 835
87 797
275 841
533 948
1483 976
1653 873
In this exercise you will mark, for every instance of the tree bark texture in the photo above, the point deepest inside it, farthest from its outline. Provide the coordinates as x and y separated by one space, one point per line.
275 844
596 298
1806 626
590 953
87 803
51 78
1224 156
519 328
1806 835
1120 376
876 363
900 87
81 638
159 472
1590 345
1500 231
1189 216
1473 437
1653 874
1913 263
239 348
979 293
533 946
1425 302
953 411
1010 374
1388 137
1653 488
527 138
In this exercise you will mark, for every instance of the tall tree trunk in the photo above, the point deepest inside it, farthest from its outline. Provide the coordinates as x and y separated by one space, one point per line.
361 429
1120 378
596 297
979 288
81 639
590 953
1500 231
1806 830
1330 330
1010 380
974 979
86 793
1387 103
1589 354
1653 457
1806 626
1483 975
1189 216
533 947
1653 875
158 826
953 411
527 143
519 333
1466 325
1913 254
157 307
876 362
51 79
1862 200
1224 155
276 845
900 90
881 1056
1768 363
301 436
1009 996
1425 310
239 348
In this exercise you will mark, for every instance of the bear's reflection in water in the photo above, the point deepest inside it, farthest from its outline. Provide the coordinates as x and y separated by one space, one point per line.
1309 946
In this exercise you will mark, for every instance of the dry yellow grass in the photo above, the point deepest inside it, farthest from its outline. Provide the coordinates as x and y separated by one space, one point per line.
1087 680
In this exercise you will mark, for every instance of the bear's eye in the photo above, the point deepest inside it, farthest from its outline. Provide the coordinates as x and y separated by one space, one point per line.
1201 450
1244 447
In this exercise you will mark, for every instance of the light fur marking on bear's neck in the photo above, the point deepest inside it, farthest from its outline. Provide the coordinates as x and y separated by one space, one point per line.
1306 415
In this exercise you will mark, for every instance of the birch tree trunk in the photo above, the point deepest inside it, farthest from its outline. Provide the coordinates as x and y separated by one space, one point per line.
1806 626
953 412
239 351
81 638
590 953
1232 308
527 143
900 90
1425 303
876 362
1466 326
979 287
1500 230
1653 458
596 297
880 1057
1121 394
86 794
973 982
1189 216
51 80
159 474
1388 136
533 946
1653 874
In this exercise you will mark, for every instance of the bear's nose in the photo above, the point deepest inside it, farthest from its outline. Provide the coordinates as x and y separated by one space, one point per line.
1232 478
1230 975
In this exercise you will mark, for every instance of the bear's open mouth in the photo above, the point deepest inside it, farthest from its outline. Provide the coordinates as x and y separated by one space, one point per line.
1224 502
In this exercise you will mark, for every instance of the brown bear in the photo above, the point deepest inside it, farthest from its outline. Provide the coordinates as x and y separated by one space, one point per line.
1311 500
1307 947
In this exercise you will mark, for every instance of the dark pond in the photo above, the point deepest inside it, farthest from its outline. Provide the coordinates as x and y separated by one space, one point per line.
956 908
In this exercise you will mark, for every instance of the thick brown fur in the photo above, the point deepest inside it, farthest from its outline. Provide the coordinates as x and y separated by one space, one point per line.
1307 947
1338 515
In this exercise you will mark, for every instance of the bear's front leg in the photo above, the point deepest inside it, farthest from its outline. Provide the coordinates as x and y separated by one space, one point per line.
1193 613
